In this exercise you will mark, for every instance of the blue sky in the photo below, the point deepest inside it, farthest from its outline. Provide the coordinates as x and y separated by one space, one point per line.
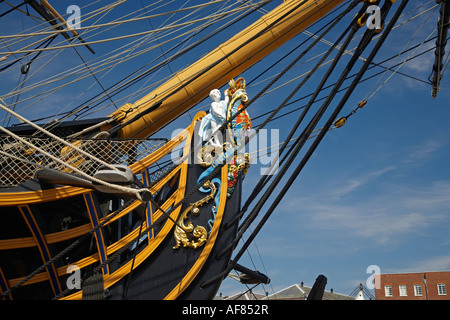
375 192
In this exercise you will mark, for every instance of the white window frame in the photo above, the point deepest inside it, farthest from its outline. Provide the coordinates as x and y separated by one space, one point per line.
442 290
418 290
402 290
388 291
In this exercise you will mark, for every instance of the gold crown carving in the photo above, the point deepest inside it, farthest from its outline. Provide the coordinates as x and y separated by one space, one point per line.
235 86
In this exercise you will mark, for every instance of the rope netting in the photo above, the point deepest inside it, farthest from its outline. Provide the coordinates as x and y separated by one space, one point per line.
19 162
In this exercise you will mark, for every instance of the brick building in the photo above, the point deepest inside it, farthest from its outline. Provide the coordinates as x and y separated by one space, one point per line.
413 286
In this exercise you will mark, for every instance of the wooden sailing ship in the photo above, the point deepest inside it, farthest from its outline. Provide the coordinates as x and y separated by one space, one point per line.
84 212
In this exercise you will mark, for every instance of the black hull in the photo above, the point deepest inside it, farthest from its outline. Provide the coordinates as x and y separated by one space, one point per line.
32 233
167 267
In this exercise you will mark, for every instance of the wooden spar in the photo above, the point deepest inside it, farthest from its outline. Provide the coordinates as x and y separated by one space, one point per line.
173 105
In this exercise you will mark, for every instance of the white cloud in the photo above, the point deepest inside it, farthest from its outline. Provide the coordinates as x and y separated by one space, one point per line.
377 207
421 65
380 225
384 217
439 263
353 184
424 151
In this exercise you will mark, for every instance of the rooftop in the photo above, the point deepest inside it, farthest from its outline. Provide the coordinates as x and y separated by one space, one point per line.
293 292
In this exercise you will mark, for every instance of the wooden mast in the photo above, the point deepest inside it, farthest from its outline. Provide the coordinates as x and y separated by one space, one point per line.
218 74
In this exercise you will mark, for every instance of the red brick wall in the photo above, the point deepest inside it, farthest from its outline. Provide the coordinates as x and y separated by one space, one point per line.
409 280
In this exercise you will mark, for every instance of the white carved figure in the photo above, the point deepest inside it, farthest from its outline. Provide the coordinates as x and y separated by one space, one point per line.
214 119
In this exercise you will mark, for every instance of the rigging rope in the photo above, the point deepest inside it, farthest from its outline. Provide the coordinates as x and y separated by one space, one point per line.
175 206
206 69
339 107
218 168
55 24
137 192
135 79
368 97
259 6
68 249
77 68
395 27
179 53
147 17
137 238
203 71
354 48
120 37
364 42
351 76
87 236
267 176
351 50
350 31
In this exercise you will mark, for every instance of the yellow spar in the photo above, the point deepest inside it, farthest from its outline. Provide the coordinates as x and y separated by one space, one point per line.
218 74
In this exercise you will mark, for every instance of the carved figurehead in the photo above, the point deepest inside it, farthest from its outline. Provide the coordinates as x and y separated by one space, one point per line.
214 119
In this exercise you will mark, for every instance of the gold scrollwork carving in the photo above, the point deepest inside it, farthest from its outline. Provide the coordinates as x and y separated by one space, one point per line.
205 155
187 235
208 154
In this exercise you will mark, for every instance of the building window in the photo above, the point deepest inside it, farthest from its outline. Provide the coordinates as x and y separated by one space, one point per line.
388 291
402 290
441 289
417 290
